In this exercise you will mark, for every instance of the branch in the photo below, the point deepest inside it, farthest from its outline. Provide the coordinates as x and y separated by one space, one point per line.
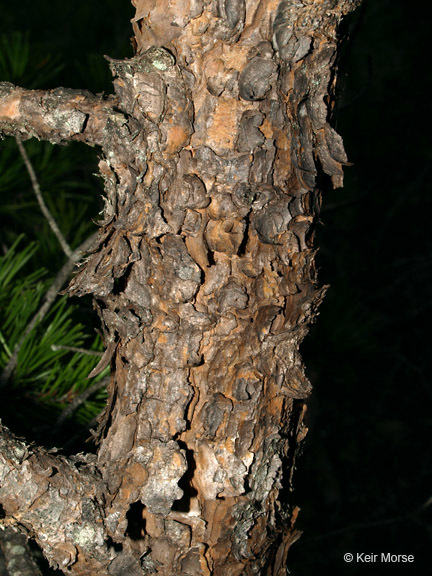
59 115
50 296
52 223
59 501
17 554
55 500
79 350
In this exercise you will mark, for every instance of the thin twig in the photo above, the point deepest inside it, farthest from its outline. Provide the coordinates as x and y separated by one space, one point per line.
36 188
75 349
50 296
425 505
78 400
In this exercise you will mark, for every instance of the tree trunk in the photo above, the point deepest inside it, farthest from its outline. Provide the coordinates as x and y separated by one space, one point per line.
203 276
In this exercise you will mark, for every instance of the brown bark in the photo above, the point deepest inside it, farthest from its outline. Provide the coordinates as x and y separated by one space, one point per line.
203 276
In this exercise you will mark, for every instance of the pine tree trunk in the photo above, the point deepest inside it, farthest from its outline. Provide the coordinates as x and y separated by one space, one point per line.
203 276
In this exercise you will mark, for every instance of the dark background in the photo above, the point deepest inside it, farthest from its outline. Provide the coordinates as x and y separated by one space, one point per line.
364 480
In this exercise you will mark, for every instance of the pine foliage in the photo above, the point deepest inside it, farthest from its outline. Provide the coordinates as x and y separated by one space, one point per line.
48 375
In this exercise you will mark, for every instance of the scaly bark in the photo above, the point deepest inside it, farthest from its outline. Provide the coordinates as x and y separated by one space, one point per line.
16 555
203 276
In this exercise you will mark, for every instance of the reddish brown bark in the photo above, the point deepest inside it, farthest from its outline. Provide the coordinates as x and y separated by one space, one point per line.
203 276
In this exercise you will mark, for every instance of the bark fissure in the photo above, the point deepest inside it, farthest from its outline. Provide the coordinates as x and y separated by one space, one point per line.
203 277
